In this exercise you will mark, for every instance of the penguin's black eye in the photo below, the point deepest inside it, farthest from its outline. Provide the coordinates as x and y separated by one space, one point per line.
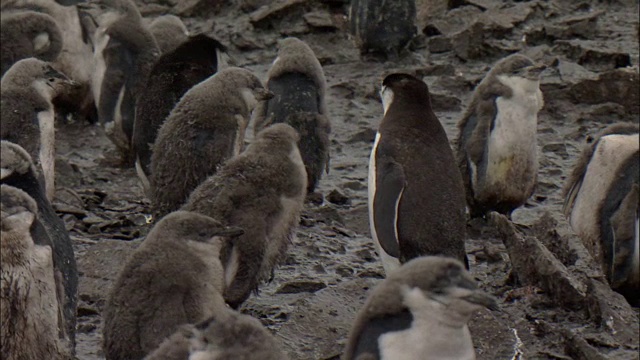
51 80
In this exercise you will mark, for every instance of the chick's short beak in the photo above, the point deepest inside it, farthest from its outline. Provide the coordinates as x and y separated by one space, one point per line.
231 232
481 298
85 6
534 71
264 94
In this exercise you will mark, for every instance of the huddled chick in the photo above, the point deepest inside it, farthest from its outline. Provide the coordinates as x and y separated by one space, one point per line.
262 191
174 278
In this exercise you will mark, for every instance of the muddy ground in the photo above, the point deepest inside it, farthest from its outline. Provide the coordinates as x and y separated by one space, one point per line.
591 48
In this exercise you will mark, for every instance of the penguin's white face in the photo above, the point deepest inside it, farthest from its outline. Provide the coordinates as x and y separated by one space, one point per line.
387 97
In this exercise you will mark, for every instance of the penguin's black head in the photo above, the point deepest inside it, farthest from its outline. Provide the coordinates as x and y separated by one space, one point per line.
405 88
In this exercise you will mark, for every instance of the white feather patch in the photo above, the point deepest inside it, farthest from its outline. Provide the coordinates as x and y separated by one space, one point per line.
608 157
389 262
118 111
41 42
231 268
5 172
47 149
387 98
99 64
144 180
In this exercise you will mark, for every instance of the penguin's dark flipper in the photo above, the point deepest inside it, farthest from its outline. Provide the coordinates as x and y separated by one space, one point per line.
390 184
376 327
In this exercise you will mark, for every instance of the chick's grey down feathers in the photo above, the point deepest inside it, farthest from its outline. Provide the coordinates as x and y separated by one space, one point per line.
28 34
169 32
227 335
172 76
204 129
262 191
18 171
32 320
173 278
28 89
297 80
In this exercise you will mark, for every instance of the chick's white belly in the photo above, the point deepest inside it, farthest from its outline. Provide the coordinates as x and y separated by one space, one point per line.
511 150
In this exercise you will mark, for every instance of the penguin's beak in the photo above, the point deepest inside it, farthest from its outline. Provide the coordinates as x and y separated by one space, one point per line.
264 94
481 298
533 72
231 232
85 6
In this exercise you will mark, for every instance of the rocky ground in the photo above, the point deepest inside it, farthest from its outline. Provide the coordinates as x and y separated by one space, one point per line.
554 308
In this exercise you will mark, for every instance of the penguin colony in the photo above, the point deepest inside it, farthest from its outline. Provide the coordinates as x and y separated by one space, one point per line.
225 215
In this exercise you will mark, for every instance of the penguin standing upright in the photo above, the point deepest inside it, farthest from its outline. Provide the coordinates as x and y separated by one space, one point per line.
416 196
419 312
27 112
30 312
497 153
297 81
601 202
262 191
175 72
124 53
18 171
204 129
